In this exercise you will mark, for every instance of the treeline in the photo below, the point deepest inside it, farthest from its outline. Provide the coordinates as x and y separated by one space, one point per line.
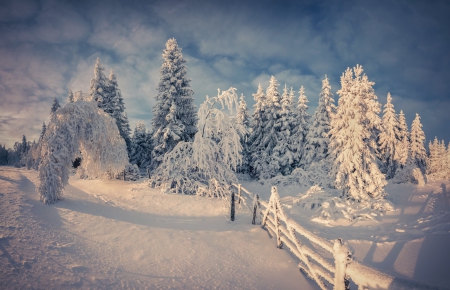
354 145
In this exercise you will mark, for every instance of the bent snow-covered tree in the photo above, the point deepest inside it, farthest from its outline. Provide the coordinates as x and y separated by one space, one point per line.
79 127
206 165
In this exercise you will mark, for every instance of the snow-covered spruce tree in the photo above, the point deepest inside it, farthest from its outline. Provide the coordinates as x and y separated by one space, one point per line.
257 131
301 130
318 139
116 109
55 106
141 146
44 128
418 152
205 166
243 120
79 126
80 96
98 90
353 141
174 114
389 139
434 157
267 165
70 97
283 151
437 163
402 151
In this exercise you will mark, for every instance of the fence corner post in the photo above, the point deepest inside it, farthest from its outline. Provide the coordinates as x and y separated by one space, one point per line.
232 206
341 258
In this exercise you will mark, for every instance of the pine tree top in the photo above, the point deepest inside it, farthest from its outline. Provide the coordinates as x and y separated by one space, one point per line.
70 97
272 94
55 106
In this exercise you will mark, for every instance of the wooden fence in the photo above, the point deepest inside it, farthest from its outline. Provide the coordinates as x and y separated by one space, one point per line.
328 263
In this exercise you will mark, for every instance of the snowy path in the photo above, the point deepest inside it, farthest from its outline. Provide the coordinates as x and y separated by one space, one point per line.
116 235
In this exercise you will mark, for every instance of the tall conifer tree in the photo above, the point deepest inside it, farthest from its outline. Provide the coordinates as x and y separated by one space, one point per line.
353 138
243 120
389 139
175 115
282 151
418 152
402 152
98 90
318 139
117 109
257 133
300 132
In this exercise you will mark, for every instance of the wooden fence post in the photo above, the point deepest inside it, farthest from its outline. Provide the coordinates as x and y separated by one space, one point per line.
277 225
124 175
341 258
239 194
232 206
255 207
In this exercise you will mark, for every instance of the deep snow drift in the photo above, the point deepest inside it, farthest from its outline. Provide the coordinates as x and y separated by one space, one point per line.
125 235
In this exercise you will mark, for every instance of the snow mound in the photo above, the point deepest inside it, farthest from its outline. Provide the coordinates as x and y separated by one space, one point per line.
317 174
409 174
328 206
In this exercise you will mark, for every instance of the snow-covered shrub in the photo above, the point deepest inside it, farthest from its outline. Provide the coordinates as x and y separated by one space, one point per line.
79 127
209 161
317 174
410 173
328 206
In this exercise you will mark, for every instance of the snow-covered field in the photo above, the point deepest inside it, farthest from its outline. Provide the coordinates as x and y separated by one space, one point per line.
125 235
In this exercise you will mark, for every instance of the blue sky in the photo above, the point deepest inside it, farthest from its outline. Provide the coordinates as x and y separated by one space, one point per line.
49 47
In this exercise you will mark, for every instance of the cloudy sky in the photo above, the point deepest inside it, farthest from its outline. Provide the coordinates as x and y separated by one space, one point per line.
50 47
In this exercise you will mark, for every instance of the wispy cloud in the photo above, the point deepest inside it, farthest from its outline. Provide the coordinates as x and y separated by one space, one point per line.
48 47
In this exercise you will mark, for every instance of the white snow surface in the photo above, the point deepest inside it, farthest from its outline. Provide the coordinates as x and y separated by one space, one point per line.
411 242
125 235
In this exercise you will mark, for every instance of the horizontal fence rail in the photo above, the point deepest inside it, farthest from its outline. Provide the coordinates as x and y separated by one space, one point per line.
336 268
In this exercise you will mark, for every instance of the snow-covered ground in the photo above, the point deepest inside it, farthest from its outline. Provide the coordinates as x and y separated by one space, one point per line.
411 242
125 235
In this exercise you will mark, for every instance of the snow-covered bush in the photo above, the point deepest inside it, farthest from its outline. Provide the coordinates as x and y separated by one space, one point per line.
209 161
328 206
409 173
317 174
79 127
